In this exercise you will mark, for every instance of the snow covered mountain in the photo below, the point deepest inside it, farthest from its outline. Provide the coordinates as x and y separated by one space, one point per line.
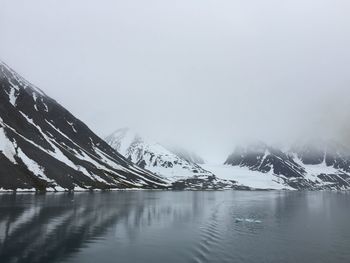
44 147
183 173
315 165
153 156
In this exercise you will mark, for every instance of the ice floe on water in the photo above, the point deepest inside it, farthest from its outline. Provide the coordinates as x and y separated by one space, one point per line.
247 220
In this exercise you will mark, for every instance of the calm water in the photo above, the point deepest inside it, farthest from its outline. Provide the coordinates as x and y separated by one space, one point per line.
157 226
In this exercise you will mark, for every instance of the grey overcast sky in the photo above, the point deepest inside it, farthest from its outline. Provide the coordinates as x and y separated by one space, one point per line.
204 73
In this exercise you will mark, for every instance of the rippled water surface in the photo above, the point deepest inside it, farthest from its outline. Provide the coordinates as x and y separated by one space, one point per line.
157 226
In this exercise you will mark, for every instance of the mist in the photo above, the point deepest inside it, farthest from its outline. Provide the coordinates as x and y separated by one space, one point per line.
203 74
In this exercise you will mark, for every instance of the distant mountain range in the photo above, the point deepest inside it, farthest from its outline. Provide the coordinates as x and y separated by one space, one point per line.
177 165
313 165
309 166
44 147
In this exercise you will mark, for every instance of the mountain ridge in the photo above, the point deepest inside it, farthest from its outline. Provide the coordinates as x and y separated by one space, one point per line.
44 147
305 166
150 155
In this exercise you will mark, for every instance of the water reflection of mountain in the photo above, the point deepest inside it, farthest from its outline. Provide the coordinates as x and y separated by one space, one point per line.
52 227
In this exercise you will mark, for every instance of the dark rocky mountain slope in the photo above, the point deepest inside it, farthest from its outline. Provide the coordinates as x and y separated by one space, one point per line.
44 147
315 166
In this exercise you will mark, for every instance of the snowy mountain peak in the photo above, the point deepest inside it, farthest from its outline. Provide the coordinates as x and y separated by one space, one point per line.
122 138
153 156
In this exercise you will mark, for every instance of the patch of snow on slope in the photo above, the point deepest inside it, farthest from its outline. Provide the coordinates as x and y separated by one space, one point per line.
85 156
35 96
7 147
58 153
12 97
33 166
46 108
72 125
313 170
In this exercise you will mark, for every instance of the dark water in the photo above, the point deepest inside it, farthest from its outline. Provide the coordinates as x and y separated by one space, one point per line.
156 226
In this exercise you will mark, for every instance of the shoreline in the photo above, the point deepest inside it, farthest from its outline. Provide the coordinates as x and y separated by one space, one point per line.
21 191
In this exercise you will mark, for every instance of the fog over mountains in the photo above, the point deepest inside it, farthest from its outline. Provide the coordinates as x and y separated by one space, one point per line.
312 165
201 77
193 72
43 147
